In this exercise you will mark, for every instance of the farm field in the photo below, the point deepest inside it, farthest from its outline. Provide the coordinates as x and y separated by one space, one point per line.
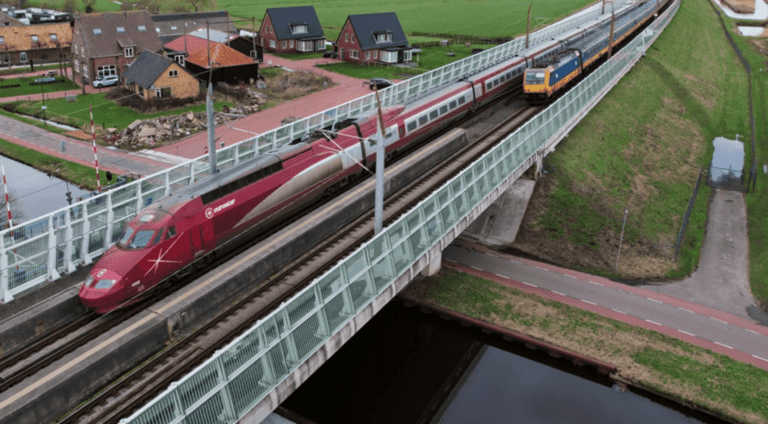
641 149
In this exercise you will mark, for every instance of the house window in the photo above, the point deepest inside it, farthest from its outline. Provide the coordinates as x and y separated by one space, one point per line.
375 54
77 64
179 59
354 54
142 28
284 44
346 37
128 51
6 58
2 40
23 57
54 37
85 71
389 57
106 70
173 28
353 38
173 73
75 48
384 38
290 44
407 55
367 55
97 31
35 38
6 24
272 44
163 93
157 30
299 29
120 30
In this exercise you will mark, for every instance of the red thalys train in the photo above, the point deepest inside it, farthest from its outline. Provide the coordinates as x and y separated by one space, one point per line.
186 229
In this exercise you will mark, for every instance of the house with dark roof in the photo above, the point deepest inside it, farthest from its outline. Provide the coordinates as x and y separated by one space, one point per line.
373 38
153 76
170 26
202 56
107 43
291 29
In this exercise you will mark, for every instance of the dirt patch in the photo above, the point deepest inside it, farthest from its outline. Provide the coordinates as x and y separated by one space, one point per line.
291 85
741 6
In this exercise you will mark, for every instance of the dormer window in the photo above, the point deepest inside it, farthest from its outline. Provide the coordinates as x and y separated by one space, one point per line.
120 30
173 28
142 28
97 31
383 37
299 28
35 39
157 29
128 51
2 40
54 37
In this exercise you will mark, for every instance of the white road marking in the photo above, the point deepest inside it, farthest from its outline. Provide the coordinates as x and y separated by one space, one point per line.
529 284
557 292
474 267
653 322
763 359
450 260
621 312
685 332
723 345
654 300
503 276
719 320
753 331
598 284
591 303
571 276
686 310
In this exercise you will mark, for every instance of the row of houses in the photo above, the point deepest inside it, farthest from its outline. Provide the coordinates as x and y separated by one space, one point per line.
369 38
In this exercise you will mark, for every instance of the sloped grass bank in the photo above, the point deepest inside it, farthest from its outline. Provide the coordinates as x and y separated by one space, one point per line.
682 371
641 150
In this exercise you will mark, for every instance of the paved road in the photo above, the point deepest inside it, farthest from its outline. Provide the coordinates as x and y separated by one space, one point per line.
739 338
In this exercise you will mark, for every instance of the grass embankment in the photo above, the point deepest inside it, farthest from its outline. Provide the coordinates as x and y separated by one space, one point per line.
641 149
755 51
106 113
70 171
430 58
27 89
683 371
24 69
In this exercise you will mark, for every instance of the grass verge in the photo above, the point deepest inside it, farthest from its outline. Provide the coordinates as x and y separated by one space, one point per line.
640 150
27 89
25 69
681 370
75 173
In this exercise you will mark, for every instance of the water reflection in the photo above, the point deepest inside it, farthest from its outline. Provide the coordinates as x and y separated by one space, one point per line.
34 193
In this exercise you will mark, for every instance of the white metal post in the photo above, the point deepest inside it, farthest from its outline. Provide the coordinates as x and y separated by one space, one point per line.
68 234
139 197
229 409
85 257
110 222
7 296
167 191
53 273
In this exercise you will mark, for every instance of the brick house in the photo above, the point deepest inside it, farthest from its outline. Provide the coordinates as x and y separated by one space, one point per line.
22 45
195 50
291 29
154 76
107 43
373 38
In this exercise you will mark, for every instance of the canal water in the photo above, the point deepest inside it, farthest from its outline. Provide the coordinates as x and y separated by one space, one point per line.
34 193
409 367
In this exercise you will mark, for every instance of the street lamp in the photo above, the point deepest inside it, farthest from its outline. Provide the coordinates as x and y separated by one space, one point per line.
42 87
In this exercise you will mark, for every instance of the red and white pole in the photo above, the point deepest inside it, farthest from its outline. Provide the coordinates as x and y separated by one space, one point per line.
7 201
95 157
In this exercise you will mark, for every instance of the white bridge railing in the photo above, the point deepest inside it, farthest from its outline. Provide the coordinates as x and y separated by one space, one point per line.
239 376
45 247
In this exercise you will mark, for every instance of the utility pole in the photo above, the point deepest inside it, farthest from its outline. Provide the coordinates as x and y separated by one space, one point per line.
208 45
610 43
42 88
253 36
211 132
380 153
621 239
528 26
64 157
186 52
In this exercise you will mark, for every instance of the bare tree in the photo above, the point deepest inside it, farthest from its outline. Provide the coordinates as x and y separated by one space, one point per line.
152 6
69 6
88 5
126 6
178 8
198 5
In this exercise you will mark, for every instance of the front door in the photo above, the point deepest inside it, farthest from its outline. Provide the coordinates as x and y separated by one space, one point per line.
341 53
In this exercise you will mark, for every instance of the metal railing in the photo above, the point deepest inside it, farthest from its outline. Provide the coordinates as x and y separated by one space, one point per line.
45 247
239 376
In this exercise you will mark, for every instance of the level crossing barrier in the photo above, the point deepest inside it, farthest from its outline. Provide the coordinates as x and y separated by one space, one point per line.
240 375
45 247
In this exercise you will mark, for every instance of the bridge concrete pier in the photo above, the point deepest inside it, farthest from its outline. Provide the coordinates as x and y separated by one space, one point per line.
434 261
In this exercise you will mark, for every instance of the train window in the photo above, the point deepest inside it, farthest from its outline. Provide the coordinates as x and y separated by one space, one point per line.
433 114
423 119
171 231
443 109
411 126
461 100
141 239
452 105
158 237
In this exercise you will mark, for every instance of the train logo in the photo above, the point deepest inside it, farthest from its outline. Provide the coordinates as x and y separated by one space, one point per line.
209 213
101 273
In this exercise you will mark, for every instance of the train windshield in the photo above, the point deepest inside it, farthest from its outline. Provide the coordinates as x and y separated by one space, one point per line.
125 237
141 239
534 78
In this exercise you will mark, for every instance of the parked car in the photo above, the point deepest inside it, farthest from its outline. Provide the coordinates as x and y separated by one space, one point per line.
52 73
379 83
329 53
106 81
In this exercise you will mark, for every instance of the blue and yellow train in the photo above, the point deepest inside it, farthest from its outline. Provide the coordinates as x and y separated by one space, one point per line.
548 78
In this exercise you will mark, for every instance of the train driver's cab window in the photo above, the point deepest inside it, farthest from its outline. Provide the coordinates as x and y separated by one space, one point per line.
171 231
534 78
141 239
158 237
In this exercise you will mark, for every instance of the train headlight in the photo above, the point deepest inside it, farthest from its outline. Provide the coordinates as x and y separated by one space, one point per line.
105 284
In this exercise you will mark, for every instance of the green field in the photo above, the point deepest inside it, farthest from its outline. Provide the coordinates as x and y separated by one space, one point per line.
641 149
106 113
26 89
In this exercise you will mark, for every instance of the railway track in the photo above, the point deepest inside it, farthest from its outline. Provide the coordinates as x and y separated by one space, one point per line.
38 355
152 377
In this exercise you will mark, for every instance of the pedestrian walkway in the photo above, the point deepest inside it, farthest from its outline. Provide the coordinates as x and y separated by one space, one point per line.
346 89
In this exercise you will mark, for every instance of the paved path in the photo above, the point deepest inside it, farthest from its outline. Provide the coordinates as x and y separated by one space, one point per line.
347 89
722 279
739 338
